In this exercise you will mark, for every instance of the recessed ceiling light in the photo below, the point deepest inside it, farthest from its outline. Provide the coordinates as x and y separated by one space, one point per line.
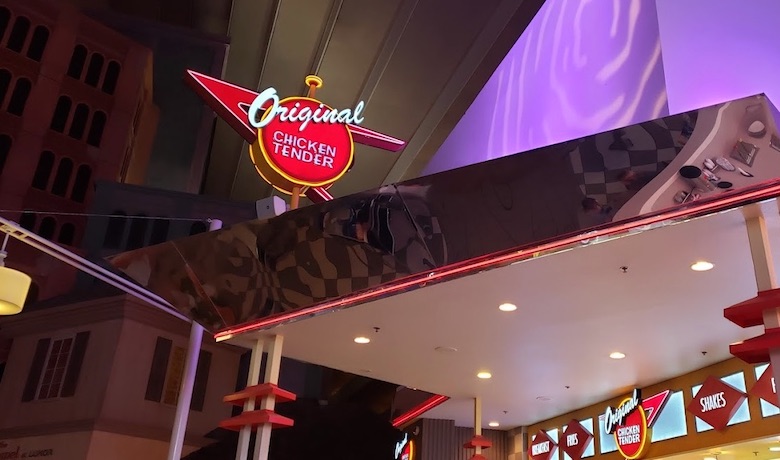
362 340
617 355
484 375
493 424
710 458
702 266
775 449
507 307
446 349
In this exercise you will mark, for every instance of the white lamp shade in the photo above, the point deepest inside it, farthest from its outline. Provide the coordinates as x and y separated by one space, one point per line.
14 286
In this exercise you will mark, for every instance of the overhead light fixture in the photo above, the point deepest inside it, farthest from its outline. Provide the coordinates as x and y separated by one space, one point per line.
617 355
709 458
446 349
362 340
493 424
775 448
507 307
14 285
702 266
484 375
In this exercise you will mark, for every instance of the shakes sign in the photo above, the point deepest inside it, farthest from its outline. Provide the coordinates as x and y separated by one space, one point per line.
631 420
297 144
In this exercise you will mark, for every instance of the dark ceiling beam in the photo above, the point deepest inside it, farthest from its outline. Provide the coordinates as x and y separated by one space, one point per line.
498 36
395 32
251 28
327 34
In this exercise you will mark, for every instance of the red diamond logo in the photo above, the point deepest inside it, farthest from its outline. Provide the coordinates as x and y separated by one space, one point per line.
575 439
716 402
765 387
542 447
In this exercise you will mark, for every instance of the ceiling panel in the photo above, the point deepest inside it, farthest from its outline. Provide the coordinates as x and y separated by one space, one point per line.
574 309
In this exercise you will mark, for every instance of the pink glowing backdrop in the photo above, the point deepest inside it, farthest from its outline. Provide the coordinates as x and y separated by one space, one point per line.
580 68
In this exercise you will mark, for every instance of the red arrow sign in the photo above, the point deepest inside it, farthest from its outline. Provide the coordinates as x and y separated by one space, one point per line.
231 102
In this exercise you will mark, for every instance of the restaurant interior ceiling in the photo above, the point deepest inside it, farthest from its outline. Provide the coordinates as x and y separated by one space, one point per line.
574 308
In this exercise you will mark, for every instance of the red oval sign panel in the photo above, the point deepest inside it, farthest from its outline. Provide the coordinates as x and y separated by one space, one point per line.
631 436
305 153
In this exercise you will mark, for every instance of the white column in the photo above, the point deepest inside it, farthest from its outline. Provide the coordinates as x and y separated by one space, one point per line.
272 367
187 381
764 267
185 392
255 362
478 421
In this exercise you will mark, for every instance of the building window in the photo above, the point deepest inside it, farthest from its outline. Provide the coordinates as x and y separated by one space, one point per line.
19 96
5 149
61 113
27 220
48 225
67 233
5 16
18 34
77 61
5 82
38 43
79 123
81 184
166 373
94 69
137 237
62 178
43 170
96 129
198 227
56 367
111 78
160 231
115 231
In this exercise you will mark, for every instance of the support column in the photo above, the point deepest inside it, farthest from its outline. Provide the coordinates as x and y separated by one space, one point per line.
255 363
272 367
478 422
764 309
259 400
761 252
188 381
478 442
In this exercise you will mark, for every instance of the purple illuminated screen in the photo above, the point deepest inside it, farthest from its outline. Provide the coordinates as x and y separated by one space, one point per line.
581 67
590 66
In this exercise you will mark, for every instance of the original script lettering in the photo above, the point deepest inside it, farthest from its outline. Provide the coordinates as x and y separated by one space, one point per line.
614 418
304 115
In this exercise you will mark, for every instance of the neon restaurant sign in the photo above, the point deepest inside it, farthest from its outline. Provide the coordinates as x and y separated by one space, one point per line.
632 420
299 145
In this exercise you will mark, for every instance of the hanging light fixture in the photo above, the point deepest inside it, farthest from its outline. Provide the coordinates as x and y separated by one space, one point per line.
14 285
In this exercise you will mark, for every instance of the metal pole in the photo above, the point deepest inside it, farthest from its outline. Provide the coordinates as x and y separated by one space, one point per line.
185 393
47 247
188 381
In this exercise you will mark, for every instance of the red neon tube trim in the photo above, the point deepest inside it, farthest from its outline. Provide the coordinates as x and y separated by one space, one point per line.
427 405
495 260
